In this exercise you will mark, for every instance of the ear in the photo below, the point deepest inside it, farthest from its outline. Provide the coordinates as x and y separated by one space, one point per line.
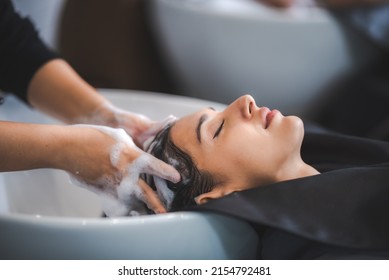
205 197
217 192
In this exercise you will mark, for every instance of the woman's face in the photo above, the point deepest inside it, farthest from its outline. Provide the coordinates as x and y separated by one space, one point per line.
242 147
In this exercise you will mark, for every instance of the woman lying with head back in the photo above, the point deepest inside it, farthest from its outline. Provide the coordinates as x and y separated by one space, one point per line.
311 192
242 147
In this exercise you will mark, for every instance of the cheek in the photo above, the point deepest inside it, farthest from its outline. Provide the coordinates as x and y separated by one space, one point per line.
245 144
245 153
240 147
233 155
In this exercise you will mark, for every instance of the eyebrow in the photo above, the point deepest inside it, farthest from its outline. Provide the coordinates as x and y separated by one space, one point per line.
198 128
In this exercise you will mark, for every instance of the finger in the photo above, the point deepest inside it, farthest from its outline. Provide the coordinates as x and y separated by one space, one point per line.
154 129
154 166
150 198
166 194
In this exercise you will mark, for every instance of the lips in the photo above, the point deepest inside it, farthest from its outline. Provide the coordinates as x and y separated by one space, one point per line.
267 116
270 116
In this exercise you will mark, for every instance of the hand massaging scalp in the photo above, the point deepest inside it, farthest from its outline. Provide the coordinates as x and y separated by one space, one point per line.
126 197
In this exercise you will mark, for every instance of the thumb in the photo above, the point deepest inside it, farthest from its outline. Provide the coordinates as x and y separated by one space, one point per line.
148 196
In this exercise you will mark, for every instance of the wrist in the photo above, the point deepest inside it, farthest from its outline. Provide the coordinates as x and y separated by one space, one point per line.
85 151
109 115
105 114
61 143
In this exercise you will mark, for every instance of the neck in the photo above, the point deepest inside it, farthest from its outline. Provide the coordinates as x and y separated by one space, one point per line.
294 169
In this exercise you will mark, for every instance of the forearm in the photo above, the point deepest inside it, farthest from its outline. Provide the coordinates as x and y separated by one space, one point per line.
29 146
76 149
57 90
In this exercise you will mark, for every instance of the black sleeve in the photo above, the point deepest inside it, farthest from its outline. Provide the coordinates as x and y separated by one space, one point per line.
22 52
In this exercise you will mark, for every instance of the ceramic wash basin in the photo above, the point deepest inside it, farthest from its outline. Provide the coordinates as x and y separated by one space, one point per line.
220 49
43 216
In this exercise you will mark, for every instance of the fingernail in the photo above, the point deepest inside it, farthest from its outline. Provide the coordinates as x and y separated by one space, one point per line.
160 211
176 177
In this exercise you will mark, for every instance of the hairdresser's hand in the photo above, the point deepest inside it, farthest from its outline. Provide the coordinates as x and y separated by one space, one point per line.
102 159
138 126
107 161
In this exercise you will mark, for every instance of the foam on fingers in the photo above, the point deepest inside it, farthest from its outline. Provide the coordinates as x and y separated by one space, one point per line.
120 192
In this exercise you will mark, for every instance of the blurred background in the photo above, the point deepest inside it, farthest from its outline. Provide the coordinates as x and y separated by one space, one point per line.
325 64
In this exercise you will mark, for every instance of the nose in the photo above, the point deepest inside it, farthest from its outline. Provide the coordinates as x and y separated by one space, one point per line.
243 108
245 105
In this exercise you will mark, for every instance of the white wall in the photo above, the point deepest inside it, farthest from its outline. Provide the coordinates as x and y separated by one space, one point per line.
45 14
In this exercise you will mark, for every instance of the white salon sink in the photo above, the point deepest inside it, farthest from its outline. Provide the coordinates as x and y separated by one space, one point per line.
221 49
43 216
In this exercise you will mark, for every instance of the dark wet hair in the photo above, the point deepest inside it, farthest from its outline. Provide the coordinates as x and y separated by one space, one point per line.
193 181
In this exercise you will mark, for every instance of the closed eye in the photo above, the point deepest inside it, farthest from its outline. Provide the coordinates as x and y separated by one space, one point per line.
218 130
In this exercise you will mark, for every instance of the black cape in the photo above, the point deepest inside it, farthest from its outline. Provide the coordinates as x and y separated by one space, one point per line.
343 213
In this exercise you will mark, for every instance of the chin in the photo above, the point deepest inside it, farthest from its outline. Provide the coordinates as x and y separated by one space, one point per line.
298 123
296 127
